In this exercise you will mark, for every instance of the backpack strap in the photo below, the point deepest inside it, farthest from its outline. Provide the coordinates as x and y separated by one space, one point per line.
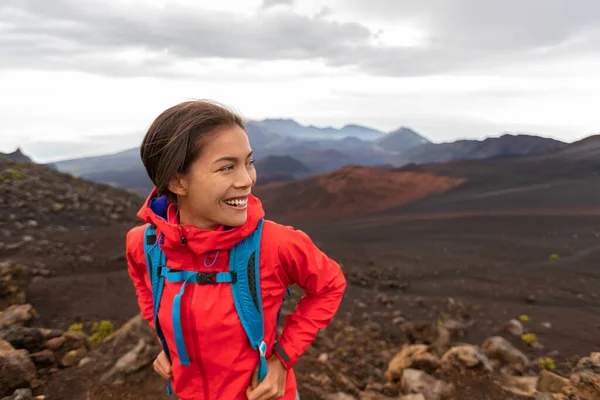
244 261
155 261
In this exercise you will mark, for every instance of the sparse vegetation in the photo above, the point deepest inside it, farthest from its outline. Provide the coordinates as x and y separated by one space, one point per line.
524 318
529 338
547 363
75 328
101 330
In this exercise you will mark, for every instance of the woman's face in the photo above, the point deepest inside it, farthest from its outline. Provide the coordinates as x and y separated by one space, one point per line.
216 187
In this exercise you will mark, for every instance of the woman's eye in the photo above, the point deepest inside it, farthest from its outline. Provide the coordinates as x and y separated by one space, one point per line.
251 162
227 168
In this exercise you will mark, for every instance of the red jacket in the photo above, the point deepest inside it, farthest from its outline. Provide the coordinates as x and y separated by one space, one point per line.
221 358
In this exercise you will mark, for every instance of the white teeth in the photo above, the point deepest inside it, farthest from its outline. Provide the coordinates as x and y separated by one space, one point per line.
237 202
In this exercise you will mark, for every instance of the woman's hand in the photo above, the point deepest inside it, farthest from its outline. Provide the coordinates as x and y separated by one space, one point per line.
273 386
162 366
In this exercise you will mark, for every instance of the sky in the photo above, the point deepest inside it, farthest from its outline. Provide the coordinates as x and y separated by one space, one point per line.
87 77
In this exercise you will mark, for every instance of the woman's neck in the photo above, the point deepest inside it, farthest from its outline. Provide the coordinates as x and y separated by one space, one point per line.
186 218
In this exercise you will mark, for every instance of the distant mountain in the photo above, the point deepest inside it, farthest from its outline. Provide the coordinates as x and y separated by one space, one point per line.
566 178
401 140
507 145
291 128
280 169
16 155
349 191
121 161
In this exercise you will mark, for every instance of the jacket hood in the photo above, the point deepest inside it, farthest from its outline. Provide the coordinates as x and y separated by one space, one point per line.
183 244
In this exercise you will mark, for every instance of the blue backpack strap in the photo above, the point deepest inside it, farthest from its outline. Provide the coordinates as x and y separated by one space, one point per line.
156 262
244 261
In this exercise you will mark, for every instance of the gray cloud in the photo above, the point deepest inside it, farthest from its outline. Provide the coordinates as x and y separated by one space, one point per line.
466 35
272 3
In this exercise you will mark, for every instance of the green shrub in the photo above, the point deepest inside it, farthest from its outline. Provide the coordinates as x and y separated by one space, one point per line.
547 363
101 330
75 328
529 338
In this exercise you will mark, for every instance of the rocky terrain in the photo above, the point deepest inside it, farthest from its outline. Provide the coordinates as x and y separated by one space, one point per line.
435 309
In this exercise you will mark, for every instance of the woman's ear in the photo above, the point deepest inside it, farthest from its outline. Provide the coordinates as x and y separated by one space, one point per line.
179 185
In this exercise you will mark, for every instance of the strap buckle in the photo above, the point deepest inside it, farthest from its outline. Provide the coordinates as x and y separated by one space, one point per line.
262 349
205 278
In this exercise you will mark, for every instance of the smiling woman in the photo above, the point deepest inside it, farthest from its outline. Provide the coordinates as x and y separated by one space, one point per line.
227 268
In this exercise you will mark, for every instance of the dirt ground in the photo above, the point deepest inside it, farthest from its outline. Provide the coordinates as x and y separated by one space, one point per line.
493 264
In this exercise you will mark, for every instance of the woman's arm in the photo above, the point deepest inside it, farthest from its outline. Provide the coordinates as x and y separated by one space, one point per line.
322 280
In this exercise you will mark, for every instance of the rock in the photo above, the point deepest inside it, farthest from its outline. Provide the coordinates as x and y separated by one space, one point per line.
16 368
137 327
415 381
531 299
420 332
521 385
14 279
86 259
384 299
51 333
369 395
546 396
85 360
340 396
20 394
417 396
411 356
73 357
323 357
551 382
21 337
75 340
56 343
141 355
500 349
585 377
44 358
463 357
17 315
514 327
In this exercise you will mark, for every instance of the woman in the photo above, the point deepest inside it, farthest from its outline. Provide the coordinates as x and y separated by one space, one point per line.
199 158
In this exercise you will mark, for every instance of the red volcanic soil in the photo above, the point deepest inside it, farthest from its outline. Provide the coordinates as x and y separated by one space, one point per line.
350 191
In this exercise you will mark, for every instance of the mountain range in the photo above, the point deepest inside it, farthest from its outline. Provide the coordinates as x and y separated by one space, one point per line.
287 150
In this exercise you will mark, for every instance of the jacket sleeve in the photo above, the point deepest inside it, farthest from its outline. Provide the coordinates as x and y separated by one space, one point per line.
323 282
138 272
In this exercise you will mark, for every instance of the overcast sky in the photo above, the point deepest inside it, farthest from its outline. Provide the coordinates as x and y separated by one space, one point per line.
88 77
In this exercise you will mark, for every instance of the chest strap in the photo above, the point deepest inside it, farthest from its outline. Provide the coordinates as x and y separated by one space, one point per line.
201 278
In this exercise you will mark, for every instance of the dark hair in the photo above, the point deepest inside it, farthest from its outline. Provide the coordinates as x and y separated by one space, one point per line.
176 138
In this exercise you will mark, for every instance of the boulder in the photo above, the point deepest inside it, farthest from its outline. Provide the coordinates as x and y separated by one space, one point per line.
415 356
585 377
21 337
20 315
16 368
514 327
521 385
141 355
20 394
419 382
465 357
550 382
500 349
14 279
